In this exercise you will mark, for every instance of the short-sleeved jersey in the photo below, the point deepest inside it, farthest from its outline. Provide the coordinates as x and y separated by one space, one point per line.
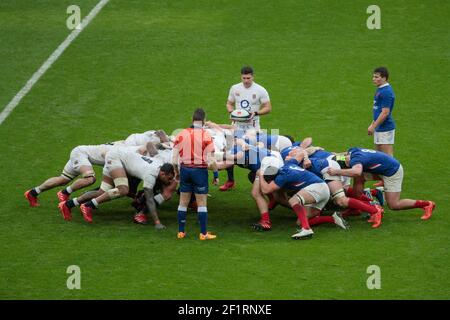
194 145
139 139
163 156
292 177
139 166
317 165
320 154
384 98
285 152
268 140
95 154
374 161
220 143
252 157
249 99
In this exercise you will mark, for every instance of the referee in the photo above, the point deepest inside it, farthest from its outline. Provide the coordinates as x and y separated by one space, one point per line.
193 150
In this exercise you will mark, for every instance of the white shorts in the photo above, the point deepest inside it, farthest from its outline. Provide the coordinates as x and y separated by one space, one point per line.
112 161
386 137
77 159
394 182
320 192
326 176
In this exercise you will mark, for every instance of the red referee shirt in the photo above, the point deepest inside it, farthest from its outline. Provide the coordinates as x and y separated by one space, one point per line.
194 145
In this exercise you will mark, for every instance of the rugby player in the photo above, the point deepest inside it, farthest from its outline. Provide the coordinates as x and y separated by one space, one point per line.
366 164
250 157
82 159
310 193
336 185
118 162
249 96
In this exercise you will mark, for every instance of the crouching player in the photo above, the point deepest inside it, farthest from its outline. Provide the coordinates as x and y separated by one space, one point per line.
311 193
250 157
366 164
119 162
335 183
82 159
193 152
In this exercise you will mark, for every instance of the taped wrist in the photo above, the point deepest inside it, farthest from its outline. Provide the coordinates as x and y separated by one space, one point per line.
159 198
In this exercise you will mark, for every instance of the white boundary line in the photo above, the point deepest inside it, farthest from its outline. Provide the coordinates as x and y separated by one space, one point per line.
47 64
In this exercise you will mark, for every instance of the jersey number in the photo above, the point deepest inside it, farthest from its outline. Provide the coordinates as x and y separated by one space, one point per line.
147 159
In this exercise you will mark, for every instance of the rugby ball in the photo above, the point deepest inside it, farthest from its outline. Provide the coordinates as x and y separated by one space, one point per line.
240 115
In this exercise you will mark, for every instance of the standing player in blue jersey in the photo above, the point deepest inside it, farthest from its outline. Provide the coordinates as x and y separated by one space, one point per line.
383 125
366 164
310 193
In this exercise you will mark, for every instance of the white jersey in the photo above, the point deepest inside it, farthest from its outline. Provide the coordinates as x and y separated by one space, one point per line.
218 136
140 139
95 154
249 99
134 164
163 156
85 156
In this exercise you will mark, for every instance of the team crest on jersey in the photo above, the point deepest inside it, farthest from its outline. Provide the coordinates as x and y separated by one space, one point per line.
237 94
245 104
76 162
254 96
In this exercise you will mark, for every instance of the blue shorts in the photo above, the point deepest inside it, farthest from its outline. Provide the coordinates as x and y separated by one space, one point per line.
194 180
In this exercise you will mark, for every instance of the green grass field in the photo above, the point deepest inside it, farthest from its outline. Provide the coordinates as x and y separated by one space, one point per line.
144 65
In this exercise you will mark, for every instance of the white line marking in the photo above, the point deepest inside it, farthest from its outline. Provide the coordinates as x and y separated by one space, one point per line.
47 64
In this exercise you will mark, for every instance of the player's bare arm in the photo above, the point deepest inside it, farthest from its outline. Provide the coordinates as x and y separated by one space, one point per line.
267 188
354 171
383 115
265 108
307 142
175 161
151 149
230 106
152 208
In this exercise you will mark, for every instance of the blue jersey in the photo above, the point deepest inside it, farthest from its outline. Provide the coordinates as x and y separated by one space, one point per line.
252 157
320 154
284 153
292 177
374 161
268 140
384 98
317 165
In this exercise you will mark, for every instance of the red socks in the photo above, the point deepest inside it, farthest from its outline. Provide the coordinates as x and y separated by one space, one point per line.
351 194
319 220
265 216
359 205
301 214
421 204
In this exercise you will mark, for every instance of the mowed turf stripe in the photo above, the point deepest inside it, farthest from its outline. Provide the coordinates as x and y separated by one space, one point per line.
49 62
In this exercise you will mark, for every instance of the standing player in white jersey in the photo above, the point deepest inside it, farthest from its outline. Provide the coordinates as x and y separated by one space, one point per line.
249 96
82 158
